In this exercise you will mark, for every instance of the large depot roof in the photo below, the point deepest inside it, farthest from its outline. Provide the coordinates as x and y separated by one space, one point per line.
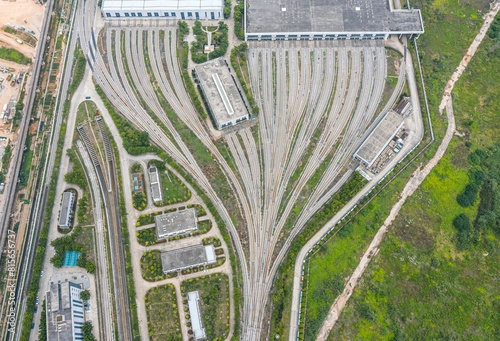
322 16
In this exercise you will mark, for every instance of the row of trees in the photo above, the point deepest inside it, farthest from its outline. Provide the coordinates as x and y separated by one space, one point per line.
483 183
239 62
5 161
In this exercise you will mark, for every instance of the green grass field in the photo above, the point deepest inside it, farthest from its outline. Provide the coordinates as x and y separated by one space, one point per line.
173 189
436 199
163 318
14 56
421 286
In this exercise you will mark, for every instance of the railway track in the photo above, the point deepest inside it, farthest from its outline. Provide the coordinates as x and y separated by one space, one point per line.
303 91
112 208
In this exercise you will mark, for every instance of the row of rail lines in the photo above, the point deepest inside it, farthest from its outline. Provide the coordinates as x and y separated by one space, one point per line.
301 90
109 193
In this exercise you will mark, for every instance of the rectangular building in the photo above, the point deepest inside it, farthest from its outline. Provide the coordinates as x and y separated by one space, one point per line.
163 9
64 312
195 313
224 100
379 138
188 257
328 20
175 223
154 180
66 213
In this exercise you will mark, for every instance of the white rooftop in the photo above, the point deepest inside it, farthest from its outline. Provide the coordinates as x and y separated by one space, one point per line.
110 5
194 311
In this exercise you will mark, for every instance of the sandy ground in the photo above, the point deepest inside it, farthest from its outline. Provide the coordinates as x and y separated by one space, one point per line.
417 178
27 13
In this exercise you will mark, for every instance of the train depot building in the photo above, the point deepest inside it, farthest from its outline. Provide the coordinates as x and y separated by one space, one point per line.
224 100
164 9
328 20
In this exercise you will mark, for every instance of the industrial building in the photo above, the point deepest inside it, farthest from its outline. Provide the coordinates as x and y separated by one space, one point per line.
224 100
163 9
66 213
154 181
64 312
328 20
379 138
175 223
195 313
188 257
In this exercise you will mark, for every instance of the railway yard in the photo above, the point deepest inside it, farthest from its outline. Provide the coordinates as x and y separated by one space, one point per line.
260 182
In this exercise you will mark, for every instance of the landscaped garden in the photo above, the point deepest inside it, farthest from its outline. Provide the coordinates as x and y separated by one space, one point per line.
219 39
163 316
214 301
139 200
151 267
173 189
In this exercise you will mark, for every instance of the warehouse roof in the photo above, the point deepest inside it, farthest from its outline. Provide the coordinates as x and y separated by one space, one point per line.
175 222
187 257
318 16
379 138
220 90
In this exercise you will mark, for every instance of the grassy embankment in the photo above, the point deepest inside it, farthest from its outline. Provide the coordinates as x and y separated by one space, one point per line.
426 283
337 259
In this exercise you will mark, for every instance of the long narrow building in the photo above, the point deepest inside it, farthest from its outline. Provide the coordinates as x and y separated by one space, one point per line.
165 9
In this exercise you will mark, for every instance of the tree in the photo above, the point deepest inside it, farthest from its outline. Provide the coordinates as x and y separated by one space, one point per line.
85 295
87 332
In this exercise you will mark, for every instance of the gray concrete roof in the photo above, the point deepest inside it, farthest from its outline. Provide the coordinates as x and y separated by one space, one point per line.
224 99
154 179
176 222
287 16
380 137
66 208
186 257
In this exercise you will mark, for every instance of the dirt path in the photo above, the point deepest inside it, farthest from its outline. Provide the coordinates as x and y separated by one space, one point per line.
416 179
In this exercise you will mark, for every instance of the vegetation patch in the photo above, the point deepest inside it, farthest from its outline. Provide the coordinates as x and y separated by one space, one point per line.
139 199
219 40
214 300
239 17
135 142
173 189
79 240
14 55
151 266
147 236
439 289
239 63
163 317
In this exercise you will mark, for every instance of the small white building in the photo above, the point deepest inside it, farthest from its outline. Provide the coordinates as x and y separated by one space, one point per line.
195 313
164 9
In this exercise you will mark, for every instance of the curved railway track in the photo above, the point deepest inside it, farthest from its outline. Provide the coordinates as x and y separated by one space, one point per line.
316 104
